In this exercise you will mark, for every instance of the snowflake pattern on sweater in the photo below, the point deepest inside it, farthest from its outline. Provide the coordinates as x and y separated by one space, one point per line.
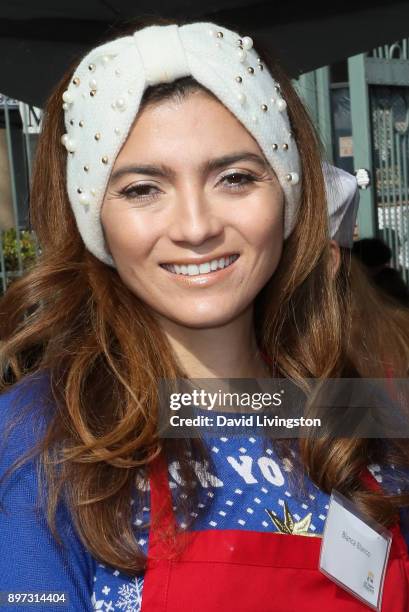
128 596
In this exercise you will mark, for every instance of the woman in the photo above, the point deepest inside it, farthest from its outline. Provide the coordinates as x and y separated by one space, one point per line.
179 201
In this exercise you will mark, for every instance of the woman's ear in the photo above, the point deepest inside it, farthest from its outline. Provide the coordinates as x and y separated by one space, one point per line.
335 256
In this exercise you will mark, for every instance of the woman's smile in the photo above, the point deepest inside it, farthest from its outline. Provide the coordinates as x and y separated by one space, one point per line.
203 274
201 265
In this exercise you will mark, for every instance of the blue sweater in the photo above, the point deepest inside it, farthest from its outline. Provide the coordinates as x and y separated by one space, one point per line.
248 490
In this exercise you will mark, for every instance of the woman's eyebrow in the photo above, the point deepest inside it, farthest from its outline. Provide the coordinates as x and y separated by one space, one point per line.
164 171
227 160
160 170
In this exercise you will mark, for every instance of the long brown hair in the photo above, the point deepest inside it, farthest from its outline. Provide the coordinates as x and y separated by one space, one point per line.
72 318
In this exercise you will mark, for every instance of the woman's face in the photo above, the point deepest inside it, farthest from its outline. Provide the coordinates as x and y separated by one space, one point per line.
193 213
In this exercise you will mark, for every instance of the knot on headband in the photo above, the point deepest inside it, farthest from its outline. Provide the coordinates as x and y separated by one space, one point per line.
104 95
164 63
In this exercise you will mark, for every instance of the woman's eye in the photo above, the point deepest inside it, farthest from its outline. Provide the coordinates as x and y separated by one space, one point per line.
140 192
237 180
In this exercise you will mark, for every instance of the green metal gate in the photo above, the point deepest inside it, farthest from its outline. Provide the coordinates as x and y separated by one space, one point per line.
379 90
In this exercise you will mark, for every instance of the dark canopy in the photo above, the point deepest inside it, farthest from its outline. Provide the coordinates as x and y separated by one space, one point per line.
39 39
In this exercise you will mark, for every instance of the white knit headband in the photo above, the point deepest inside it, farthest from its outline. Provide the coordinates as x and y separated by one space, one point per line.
103 98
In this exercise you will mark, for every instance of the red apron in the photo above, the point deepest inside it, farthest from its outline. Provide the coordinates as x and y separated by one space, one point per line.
250 571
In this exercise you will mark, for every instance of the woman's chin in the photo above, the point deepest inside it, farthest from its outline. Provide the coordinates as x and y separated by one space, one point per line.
201 319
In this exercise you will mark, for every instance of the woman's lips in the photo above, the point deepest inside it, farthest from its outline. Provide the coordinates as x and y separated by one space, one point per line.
195 268
203 278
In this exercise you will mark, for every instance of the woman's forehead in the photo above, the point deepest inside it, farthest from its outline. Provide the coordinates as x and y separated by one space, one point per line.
197 125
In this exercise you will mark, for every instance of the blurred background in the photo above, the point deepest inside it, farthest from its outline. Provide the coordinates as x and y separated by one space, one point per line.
350 65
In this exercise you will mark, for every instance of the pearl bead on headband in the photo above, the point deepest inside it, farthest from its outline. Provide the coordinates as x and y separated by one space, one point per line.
103 98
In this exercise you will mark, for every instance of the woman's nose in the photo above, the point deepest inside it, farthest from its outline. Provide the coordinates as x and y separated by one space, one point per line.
194 219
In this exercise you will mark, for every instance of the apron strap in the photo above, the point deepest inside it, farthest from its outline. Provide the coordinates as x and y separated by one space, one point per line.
162 523
369 480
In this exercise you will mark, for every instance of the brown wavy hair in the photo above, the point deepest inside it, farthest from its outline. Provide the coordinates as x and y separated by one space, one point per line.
71 316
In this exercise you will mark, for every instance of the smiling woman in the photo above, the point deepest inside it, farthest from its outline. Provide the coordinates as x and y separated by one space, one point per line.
180 203
195 232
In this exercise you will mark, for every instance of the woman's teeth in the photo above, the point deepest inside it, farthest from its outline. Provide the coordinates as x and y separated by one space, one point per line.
203 268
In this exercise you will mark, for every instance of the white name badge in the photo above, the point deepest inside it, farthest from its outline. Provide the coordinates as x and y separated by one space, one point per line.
354 551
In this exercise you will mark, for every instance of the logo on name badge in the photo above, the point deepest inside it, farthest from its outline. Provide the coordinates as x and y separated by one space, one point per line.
368 583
